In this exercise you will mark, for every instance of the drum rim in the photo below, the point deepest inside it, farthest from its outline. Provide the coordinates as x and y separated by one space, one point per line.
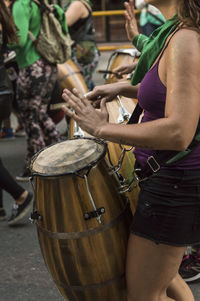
130 51
69 173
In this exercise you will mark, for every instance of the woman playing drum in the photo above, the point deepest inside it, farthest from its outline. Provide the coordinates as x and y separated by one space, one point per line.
167 218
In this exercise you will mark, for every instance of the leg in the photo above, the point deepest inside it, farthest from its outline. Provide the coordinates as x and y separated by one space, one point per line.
33 91
2 211
150 269
8 183
179 290
23 198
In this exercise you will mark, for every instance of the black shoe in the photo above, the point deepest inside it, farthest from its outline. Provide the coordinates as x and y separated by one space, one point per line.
24 176
190 268
3 215
20 211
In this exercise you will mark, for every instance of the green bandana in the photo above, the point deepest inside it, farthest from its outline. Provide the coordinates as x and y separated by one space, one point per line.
151 47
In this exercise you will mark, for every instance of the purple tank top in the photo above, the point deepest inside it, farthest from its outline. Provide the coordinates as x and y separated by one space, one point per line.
152 98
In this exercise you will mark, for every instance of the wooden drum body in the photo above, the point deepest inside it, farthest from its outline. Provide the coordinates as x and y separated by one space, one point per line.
121 57
82 220
120 110
69 77
116 151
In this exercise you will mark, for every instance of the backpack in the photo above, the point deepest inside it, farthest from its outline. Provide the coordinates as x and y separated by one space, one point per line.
52 43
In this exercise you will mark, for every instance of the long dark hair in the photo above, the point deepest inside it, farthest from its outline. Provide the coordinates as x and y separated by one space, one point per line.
189 13
8 25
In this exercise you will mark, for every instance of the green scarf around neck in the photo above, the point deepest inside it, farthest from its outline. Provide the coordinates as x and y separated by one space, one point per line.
151 47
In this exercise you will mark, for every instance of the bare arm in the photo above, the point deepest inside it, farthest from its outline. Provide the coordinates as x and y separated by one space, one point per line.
110 91
131 22
125 69
75 11
176 129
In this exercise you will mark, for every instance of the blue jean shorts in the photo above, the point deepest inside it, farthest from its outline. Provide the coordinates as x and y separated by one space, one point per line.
168 209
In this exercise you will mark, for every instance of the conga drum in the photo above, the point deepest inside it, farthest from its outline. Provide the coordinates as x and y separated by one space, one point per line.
120 110
118 58
69 77
121 156
82 220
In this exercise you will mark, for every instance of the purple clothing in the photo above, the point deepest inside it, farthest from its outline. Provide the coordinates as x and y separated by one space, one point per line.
152 98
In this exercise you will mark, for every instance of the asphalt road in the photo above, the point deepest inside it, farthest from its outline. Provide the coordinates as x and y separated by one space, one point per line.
23 274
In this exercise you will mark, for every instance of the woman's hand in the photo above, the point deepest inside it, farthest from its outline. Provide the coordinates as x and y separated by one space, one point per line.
131 23
125 69
108 91
89 119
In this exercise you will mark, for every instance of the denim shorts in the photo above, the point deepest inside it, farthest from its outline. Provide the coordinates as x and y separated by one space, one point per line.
168 209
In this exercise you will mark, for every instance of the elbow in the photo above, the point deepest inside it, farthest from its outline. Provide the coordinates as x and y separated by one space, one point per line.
180 141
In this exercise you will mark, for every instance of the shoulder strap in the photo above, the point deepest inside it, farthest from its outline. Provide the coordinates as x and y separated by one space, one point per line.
167 44
86 5
44 5
135 115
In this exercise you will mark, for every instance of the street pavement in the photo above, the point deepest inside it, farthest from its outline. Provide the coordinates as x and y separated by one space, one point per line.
23 274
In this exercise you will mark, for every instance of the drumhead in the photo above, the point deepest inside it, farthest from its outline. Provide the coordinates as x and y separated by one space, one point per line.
68 157
132 52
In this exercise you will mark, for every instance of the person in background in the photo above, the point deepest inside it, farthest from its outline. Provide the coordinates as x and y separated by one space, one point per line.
150 17
190 266
7 130
23 198
35 83
81 28
166 220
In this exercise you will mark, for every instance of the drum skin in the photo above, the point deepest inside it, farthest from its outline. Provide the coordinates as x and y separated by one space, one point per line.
85 258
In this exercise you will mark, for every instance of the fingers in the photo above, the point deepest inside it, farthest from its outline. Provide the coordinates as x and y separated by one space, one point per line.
132 4
129 9
80 97
120 71
96 104
93 95
103 105
75 100
68 112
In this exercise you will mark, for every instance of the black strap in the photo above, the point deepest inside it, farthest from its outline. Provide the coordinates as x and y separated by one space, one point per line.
162 158
135 115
